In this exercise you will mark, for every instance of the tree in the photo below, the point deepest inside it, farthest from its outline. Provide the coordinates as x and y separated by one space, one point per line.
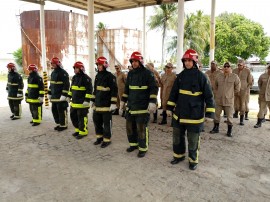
239 37
101 26
196 33
162 21
18 57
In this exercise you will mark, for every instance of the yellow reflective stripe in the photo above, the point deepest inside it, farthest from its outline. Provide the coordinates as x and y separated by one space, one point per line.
32 85
146 140
210 110
39 116
70 93
42 92
114 99
33 100
15 98
106 140
13 84
171 103
99 136
178 155
102 109
77 105
192 121
88 96
77 130
133 144
138 87
20 89
65 91
55 100
187 92
124 95
102 88
57 82
93 96
85 122
153 96
78 88
197 156
139 112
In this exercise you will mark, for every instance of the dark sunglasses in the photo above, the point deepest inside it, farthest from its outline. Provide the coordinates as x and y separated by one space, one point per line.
226 66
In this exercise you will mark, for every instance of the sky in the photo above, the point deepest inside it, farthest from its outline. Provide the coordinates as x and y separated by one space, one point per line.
10 35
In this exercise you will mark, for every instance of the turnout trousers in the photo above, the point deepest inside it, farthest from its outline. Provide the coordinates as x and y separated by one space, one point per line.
103 125
79 119
138 131
36 111
59 111
15 108
179 144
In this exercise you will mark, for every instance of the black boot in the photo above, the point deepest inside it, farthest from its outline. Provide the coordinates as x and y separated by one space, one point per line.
98 141
235 115
164 118
246 116
215 129
259 123
242 120
155 117
263 120
132 148
229 132
116 112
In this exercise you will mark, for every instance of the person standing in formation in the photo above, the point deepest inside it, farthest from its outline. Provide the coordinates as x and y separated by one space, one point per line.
15 91
226 85
240 97
264 96
212 74
167 81
58 93
104 102
141 98
120 80
190 97
80 94
34 94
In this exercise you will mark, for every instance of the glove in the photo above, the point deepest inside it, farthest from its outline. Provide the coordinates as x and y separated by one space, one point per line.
19 95
169 113
113 107
152 107
68 99
49 97
7 91
209 115
63 98
40 99
121 108
86 104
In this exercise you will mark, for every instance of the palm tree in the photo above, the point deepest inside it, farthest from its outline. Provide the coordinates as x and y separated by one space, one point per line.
196 35
162 21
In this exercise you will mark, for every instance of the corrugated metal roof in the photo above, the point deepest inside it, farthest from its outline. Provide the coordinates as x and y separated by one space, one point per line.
101 6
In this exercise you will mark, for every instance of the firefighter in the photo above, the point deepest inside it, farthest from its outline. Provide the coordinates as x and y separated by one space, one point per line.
264 96
57 94
190 94
120 80
141 98
240 97
15 91
80 94
34 94
104 102
227 85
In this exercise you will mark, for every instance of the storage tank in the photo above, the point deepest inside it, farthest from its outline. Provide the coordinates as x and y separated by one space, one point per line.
65 35
118 44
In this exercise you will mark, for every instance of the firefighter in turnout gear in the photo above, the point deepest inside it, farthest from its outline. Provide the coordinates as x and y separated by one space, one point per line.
141 98
80 94
34 94
15 91
104 102
191 99
57 93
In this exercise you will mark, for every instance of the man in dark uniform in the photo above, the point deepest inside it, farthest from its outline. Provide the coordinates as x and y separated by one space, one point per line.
80 94
35 94
141 98
57 93
191 96
15 91
104 100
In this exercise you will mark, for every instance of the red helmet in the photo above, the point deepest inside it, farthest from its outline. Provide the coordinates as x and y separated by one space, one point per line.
102 61
190 54
56 61
32 67
79 65
11 66
136 56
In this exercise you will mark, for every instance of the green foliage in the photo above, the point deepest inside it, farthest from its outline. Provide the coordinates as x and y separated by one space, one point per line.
101 26
18 56
239 37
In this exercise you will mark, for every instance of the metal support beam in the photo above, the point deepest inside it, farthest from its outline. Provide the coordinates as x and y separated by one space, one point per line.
42 38
212 32
180 38
91 40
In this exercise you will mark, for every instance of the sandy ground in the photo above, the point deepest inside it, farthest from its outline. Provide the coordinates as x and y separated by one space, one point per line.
39 164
